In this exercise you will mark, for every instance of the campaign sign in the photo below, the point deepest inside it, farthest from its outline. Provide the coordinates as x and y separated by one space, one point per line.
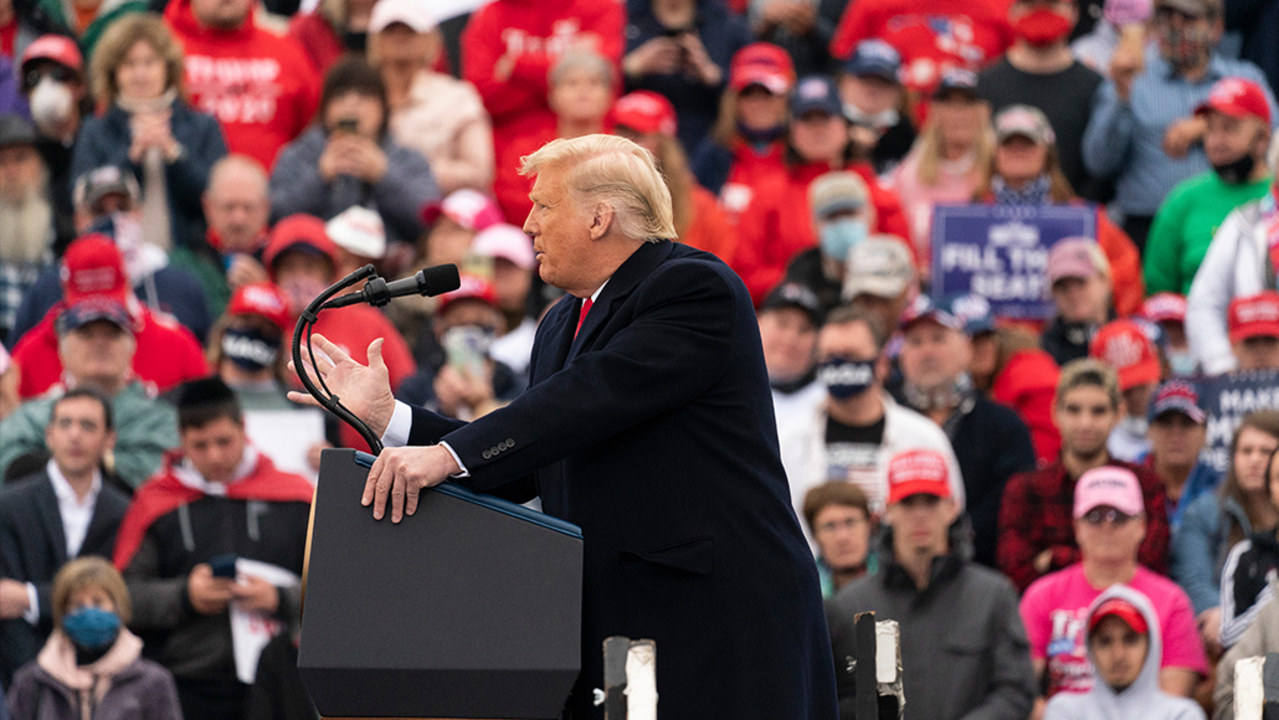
1226 399
1001 252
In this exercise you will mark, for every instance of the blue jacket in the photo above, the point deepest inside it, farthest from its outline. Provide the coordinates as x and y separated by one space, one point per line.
696 104
1200 545
296 187
653 429
106 140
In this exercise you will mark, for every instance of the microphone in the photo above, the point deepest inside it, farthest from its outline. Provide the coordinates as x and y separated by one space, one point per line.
377 292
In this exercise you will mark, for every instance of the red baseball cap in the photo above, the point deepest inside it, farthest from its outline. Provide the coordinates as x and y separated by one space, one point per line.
471 209
1236 97
917 472
1164 307
473 287
762 64
645 112
58 48
1122 609
93 267
1253 316
1124 346
264 300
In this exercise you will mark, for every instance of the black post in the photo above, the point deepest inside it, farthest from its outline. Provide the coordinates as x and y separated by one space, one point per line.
864 670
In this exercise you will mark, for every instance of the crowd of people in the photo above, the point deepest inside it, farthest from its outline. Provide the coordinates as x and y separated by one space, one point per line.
1031 498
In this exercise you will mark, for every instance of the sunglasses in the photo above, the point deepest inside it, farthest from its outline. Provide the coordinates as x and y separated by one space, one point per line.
57 72
1097 516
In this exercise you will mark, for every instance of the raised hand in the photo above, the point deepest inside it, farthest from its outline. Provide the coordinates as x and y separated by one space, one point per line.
365 390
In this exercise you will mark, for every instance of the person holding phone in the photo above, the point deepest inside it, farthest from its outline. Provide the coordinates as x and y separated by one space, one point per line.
348 159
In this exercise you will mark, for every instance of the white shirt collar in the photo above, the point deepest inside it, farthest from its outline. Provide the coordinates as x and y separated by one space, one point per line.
67 494
596 295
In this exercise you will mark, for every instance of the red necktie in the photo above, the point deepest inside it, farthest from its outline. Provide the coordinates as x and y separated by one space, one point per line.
586 307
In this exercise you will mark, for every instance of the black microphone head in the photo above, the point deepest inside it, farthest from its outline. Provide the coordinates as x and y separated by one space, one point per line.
439 279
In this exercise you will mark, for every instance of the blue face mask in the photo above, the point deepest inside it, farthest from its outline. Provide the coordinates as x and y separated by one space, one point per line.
846 378
91 628
839 237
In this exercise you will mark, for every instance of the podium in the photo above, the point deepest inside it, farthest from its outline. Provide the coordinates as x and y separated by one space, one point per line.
470 608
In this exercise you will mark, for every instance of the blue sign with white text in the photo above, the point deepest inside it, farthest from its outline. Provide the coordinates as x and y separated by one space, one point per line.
1001 253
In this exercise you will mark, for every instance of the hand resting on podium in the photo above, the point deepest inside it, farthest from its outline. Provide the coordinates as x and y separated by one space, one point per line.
399 473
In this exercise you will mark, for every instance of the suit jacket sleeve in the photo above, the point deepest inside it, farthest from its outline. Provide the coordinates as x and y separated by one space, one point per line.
674 348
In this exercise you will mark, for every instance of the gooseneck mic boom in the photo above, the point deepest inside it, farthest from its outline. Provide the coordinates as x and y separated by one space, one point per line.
377 292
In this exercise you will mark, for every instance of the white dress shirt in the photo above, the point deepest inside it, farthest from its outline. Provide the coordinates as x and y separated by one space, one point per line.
76 516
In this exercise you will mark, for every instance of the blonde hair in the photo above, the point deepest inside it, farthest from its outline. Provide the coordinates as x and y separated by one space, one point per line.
119 39
1059 189
616 172
1088 372
929 147
90 572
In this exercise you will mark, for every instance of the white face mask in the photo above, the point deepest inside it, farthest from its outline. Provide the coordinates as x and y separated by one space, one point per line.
51 104
881 120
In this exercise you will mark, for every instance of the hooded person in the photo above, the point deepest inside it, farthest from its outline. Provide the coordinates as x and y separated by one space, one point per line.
1124 647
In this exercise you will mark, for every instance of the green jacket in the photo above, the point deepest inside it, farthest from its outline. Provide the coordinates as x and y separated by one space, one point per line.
1184 226
145 428
109 12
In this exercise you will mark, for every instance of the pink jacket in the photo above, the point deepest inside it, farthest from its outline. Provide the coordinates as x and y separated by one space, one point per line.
445 120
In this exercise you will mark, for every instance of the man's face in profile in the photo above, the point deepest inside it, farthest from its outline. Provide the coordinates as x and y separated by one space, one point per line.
560 230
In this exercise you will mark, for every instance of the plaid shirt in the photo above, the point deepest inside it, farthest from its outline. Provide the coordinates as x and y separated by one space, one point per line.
15 279
1038 514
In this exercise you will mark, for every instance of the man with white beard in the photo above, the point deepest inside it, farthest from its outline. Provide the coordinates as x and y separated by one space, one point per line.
26 217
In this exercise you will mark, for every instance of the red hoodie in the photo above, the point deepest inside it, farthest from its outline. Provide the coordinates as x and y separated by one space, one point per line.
932 35
778 225
1028 384
533 33
749 168
261 87
167 354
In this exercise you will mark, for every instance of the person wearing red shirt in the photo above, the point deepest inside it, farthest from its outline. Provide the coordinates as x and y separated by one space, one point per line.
509 49
167 353
261 87
932 35
1036 528
778 224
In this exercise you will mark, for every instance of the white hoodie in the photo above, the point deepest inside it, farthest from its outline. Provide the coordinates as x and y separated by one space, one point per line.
1143 700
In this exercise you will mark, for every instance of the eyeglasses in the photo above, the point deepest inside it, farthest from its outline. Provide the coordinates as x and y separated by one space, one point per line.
827 528
1097 516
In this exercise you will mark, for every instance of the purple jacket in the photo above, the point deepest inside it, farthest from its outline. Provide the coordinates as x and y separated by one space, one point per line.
142 691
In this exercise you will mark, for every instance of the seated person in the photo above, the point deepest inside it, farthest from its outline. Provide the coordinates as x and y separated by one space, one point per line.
464 381
216 497
1124 647
1110 522
1250 567
167 353
926 582
838 518
1126 347
96 344
91 659
63 511
1081 285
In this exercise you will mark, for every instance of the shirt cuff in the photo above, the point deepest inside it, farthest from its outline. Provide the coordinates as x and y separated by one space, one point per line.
464 473
32 615
397 430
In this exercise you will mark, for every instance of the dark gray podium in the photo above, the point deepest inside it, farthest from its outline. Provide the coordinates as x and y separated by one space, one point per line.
470 608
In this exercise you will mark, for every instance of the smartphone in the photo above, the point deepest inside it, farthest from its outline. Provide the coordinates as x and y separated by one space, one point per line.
350 126
467 348
224 565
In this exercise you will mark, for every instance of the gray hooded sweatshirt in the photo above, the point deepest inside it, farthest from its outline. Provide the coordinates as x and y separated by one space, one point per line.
1143 700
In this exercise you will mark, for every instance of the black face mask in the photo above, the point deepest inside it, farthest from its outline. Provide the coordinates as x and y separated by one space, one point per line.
250 349
1236 172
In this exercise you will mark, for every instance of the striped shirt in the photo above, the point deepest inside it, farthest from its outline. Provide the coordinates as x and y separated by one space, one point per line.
1125 140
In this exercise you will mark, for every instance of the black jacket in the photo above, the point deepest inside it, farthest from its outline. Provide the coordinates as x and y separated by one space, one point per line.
653 429
33 547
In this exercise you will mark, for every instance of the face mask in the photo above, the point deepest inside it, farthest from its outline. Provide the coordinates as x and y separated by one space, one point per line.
1236 172
91 628
760 137
1183 364
51 103
250 349
845 379
881 120
839 237
1184 48
1042 27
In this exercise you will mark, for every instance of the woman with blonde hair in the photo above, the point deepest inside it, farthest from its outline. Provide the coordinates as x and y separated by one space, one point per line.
944 166
92 666
149 129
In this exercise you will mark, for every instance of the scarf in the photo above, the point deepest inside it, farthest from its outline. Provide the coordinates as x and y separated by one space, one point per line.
959 395
91 682
1036 193
156 229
